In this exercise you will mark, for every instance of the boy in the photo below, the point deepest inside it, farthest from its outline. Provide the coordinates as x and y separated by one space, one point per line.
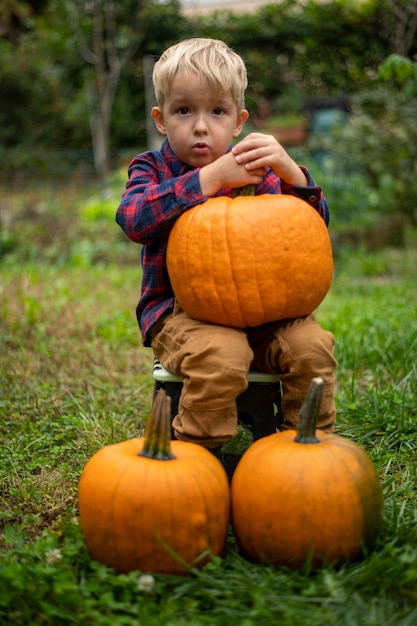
199 87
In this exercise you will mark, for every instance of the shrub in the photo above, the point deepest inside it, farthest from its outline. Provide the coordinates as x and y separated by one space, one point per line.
381 138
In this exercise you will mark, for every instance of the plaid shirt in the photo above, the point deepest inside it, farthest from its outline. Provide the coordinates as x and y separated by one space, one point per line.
160 188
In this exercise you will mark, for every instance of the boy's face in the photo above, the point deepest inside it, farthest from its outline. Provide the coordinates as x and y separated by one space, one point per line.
199 124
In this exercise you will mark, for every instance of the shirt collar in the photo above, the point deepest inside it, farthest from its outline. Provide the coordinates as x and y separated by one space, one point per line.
176 166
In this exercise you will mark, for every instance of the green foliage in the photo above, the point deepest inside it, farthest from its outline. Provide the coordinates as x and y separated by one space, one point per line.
291 58
353 203
23 83
381 137
335 56
401 71
58 216
95 208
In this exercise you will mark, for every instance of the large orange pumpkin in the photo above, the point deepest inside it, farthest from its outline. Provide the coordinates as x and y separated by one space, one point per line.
305 496
249 260
154 505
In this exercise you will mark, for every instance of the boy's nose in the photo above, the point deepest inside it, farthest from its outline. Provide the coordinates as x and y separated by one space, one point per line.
200 125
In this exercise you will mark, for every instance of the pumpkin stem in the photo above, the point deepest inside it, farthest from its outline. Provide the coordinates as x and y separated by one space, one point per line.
308 413
158 430
247 190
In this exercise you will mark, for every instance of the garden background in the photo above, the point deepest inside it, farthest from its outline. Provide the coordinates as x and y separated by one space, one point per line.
337 83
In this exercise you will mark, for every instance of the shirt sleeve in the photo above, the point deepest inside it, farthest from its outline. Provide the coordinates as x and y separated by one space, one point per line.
312 193
154 199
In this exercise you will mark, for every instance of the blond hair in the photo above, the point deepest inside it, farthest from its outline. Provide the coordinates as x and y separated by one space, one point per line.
218 65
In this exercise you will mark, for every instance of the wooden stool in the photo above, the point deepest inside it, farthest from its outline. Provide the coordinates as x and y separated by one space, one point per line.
258 406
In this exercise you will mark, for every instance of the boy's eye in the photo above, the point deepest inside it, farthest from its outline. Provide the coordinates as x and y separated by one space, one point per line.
218 111
183 110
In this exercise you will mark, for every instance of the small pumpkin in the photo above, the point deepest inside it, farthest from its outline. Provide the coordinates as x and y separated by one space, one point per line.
154 505
249 260
305 496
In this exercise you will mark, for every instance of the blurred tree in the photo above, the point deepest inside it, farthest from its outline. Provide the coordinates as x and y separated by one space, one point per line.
400 18
108 33
44 81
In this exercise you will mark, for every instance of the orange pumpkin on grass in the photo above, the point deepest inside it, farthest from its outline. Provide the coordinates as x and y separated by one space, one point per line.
305 496
154 505
249 260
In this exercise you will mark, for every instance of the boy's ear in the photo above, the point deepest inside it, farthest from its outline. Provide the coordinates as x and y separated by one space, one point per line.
240 122
158 118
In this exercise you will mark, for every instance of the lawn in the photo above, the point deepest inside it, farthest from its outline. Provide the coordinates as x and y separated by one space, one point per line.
74 378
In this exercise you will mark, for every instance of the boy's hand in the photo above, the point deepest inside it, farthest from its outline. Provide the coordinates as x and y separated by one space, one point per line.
260 150
226 171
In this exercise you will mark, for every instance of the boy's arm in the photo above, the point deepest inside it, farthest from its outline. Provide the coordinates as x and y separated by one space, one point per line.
310 193
283 174
153 199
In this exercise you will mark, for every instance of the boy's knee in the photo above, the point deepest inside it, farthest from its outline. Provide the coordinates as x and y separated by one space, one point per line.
313 346
321 347
218 363
226 351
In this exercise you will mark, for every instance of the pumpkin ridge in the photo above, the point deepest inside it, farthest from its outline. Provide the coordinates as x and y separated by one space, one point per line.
266 296
113 483
260 542
133 520
223 229
239 197
279 224
203 502
169 492
255 276
370 500
348 512
293 515
234 276
181 253
159 525
209 538
188 257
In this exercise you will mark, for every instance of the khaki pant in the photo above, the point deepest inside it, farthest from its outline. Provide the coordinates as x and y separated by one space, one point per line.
214 362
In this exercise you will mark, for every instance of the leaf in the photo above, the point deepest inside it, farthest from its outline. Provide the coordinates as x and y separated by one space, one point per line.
398 68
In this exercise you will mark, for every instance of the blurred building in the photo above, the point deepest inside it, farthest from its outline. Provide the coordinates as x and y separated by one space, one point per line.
208 6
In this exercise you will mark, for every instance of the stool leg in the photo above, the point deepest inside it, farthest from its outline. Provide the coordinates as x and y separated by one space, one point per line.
259 407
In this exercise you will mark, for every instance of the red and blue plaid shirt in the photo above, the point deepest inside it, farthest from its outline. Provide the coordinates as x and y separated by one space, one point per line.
160 188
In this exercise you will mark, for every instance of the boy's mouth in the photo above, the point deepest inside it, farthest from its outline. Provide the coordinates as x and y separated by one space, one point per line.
200 148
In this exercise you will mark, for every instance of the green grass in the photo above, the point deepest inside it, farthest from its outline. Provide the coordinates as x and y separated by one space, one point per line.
74 378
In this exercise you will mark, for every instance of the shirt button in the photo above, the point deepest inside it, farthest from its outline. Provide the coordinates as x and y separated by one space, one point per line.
312 198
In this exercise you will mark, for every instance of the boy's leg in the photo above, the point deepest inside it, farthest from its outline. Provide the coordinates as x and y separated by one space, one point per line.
214 362
298 350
